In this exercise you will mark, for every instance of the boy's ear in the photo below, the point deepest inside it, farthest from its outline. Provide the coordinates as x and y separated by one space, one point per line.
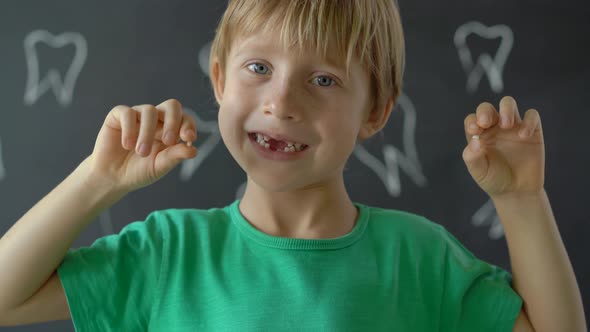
217 80
376 119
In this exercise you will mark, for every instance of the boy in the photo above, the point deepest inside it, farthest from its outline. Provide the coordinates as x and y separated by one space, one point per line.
298 84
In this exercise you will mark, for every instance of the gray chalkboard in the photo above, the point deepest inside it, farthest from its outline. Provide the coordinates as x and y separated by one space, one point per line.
65 64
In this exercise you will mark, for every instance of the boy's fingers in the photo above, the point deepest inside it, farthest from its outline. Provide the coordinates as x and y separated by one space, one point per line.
147 128
171 112
530 124
487 116
128 119
188 129
509 115
155 122
471 127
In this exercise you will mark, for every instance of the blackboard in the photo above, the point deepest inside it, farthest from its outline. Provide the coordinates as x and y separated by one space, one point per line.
65 64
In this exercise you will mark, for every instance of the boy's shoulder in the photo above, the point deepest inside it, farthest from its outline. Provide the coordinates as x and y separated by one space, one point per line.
191 216
417 232
174 222
199 213
401 220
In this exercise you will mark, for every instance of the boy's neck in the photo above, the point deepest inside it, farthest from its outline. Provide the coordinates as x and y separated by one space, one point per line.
321 212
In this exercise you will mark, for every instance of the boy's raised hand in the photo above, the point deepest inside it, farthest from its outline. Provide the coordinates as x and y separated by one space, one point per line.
510 157
118 156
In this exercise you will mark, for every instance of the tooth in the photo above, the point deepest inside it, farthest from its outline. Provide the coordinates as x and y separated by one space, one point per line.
388 161
298 146
63 88
492 66
266 145
265 137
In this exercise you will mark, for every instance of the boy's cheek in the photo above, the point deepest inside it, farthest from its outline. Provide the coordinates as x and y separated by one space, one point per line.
243 97
235 109
237 102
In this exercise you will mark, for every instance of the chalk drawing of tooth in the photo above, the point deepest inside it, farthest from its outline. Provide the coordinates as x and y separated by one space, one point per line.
394 159
190 166
204 58
487 216
492 66
63 89
105 223
2 169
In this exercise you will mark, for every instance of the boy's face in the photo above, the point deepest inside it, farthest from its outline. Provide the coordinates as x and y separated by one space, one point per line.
265 88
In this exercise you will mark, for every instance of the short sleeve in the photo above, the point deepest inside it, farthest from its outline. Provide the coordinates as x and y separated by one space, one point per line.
477 296
110 285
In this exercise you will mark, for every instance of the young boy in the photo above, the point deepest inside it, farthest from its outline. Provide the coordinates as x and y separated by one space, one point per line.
299 83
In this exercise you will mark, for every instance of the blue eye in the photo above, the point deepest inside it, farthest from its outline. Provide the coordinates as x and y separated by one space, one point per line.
258 68
324 81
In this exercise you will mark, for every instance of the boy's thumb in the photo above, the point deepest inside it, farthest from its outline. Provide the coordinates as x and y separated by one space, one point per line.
173 155
475 159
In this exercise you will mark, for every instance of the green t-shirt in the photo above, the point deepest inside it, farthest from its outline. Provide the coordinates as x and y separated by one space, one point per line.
211 270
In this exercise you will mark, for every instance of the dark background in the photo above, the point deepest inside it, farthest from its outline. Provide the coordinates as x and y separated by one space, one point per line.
148 51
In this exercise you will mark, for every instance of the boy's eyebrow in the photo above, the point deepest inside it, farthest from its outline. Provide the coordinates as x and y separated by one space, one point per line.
251 44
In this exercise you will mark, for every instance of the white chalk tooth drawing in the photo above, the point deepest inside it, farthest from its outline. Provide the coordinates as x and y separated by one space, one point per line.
204 58
2 169
63 90
487 216
190 166
492 66
395 159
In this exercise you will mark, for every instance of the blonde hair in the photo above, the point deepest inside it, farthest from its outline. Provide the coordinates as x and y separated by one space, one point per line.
368 29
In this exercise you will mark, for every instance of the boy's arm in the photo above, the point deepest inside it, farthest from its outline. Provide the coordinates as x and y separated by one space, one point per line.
35 245
542 273
505 155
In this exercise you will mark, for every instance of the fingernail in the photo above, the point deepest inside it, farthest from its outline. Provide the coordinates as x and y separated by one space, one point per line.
484 119
524 133
190 133
144 149
473 126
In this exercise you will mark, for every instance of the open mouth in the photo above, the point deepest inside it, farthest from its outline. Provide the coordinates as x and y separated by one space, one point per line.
276 145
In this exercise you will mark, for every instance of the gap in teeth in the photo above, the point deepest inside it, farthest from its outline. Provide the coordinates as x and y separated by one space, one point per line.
291 147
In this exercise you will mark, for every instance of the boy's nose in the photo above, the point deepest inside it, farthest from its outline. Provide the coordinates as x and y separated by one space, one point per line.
280 112
283 103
